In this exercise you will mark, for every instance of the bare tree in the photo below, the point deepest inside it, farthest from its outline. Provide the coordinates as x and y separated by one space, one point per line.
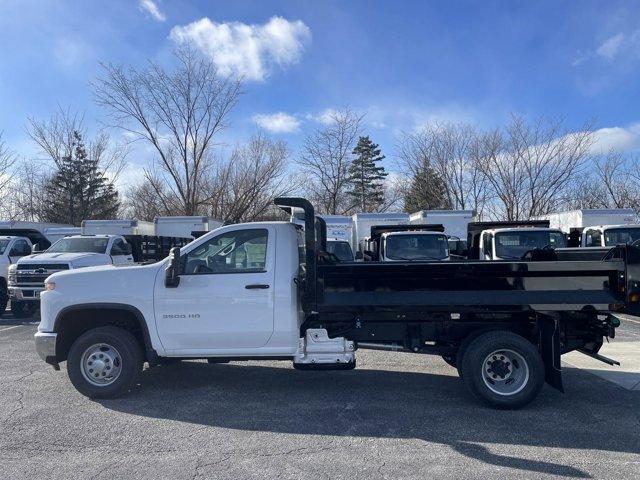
56 137
325 159
28 191
531 165
243 189
7 162
612 181
178 112
143 202
451 151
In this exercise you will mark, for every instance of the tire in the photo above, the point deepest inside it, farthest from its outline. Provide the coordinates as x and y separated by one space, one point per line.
121 352
502 370
23 309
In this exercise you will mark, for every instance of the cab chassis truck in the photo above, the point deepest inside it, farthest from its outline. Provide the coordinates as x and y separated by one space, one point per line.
502 324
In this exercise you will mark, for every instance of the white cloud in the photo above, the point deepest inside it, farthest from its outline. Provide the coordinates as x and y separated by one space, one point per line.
152 9
325 117
279 122
611 46
249 51
622 139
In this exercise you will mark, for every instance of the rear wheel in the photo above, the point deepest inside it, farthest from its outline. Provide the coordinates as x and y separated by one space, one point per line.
104 362
503 369
23 309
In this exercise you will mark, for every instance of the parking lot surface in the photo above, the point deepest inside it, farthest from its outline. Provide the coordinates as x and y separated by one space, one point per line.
396 416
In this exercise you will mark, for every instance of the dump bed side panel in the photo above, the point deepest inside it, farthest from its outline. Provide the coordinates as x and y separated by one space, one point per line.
471 286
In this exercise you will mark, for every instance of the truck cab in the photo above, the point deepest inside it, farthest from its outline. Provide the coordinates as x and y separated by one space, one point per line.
609 235
340 248
514 243
511 240
12 249
27 275
401 243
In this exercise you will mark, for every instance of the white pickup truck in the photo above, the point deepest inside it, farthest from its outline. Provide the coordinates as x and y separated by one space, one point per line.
267 290
11 250
27 275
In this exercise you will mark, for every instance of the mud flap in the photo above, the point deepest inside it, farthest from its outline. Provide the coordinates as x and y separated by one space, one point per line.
550 350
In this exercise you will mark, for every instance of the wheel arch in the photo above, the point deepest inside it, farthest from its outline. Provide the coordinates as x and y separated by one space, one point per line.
73 321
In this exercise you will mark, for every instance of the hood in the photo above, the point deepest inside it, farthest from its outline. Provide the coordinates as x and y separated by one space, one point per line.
58 257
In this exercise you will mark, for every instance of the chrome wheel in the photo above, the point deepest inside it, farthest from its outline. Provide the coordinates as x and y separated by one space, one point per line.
101 364
505 372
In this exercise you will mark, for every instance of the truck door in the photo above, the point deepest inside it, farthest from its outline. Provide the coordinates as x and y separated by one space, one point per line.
225 299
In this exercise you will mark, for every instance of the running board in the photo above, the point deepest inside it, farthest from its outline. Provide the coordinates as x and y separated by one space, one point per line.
597 356
316 348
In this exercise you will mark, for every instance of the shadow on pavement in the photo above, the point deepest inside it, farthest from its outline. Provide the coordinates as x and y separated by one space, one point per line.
595 415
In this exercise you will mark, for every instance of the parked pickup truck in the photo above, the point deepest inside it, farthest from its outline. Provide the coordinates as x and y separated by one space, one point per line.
11 250
27 275
267 290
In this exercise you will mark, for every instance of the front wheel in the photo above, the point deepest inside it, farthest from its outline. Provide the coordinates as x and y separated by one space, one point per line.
104 362
503 369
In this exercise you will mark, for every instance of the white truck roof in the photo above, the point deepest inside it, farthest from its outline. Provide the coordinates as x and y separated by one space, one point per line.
590 218
454 221
117 227
182 226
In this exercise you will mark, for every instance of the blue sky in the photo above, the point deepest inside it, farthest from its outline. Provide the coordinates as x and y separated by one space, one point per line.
402 63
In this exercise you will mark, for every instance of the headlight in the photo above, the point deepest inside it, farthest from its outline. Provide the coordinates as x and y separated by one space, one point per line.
50 285
12 273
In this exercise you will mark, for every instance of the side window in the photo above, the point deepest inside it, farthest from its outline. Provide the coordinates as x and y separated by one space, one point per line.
20 249
239 251
118 248
593 238
487 245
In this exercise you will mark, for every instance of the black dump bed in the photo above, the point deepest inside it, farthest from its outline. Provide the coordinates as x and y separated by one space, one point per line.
390 289
470 286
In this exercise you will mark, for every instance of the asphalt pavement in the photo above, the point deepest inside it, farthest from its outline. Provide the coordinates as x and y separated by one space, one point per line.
396 416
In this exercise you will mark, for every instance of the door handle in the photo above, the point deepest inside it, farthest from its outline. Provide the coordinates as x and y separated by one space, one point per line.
256 286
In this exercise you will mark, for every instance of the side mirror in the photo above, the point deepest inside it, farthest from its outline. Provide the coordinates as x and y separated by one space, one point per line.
359 255
173 271
35 248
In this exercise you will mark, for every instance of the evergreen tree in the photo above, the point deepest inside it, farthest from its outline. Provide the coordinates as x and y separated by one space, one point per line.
366 176
78 190
426 192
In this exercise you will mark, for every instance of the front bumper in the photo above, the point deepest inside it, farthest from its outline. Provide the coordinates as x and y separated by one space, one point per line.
46 346
25 294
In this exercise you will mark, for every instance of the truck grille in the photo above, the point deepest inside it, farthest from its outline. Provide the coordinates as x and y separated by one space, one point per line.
36 273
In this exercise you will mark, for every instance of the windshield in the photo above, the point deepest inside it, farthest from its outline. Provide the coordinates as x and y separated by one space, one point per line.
340 249
4 243
618 236
79 245
416 247
513 245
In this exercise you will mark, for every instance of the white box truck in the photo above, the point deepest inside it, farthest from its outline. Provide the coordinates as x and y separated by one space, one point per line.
598 227
454 221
